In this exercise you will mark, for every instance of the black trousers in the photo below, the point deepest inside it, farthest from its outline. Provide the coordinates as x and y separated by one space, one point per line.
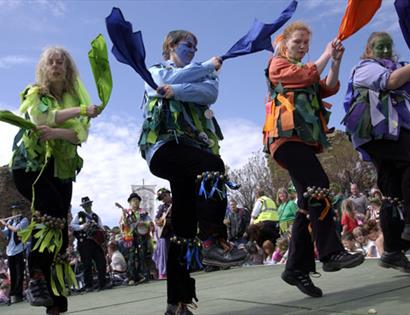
52 197
180 164
16 266
305 170
392 162
90 251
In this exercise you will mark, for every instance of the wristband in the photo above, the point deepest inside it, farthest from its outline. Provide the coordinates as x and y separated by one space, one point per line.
83 110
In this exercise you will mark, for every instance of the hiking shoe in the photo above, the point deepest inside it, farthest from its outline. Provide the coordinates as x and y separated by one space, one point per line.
302 281
37 293
342 260
405 235
216 256
395 260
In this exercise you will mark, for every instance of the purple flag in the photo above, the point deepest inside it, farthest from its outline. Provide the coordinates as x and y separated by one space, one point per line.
128 47
259 36
403 11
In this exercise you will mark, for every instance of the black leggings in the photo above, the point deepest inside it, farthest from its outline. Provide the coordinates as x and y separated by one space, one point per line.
305 170
180 164
52 197
392 162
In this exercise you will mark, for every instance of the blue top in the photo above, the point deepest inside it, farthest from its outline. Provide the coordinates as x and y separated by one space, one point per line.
196 83
12 248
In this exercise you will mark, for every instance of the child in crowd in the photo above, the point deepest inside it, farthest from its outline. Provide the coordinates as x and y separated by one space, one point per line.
280 254
349 242
360 236
268 251
374 239
373 211
349 221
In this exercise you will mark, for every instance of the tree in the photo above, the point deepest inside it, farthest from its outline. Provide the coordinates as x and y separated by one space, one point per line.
254 175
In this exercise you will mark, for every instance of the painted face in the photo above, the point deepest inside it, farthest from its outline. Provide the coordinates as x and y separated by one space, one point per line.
56 68
297 45
185 51
383 47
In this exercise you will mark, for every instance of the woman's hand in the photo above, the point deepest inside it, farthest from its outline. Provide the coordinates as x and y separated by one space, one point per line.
337 50
217 62
166 91
47 133
92 111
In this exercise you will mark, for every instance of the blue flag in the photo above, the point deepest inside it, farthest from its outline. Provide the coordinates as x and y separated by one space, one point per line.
128 47
258 37
403 11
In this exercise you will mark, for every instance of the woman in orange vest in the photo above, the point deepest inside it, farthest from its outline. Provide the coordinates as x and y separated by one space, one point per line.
294 132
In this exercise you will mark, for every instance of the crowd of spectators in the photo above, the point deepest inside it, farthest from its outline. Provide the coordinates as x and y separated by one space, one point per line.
135 251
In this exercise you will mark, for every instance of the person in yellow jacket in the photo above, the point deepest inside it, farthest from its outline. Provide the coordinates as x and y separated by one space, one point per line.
264 209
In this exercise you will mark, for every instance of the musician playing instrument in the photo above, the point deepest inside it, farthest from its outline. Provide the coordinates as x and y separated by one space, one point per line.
136 226
88 230
15 252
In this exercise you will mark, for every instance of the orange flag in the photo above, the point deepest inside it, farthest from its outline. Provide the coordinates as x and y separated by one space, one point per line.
358 14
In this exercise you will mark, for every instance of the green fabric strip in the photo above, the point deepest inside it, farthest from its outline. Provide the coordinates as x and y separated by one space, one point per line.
98 57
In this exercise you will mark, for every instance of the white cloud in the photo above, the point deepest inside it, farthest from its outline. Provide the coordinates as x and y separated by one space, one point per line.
12 60
242 138
112 162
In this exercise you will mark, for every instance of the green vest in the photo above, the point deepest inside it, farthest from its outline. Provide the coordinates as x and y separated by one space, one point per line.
176 120
268 211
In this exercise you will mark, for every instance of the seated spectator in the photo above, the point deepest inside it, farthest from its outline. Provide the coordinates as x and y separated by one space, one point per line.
237 220
374 239
255 253
360 237
263 231
349 242
268 250
373 210
117 264
349 221
282 246
117 260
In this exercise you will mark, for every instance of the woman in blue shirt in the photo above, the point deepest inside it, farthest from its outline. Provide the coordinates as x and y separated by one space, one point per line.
179 141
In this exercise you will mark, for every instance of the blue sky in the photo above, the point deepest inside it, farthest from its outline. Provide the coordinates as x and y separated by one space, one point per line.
112 160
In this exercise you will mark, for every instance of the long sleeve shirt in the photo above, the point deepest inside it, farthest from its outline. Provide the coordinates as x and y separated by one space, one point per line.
78 224
13 248
196 83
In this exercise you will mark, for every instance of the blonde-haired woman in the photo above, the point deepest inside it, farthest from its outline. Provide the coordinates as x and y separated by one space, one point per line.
287 210
294 132
60 107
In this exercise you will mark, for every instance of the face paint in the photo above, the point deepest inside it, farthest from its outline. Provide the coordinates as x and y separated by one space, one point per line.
382 48
185 51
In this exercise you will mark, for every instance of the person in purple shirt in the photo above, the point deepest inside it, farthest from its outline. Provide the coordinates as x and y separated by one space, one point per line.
378 121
